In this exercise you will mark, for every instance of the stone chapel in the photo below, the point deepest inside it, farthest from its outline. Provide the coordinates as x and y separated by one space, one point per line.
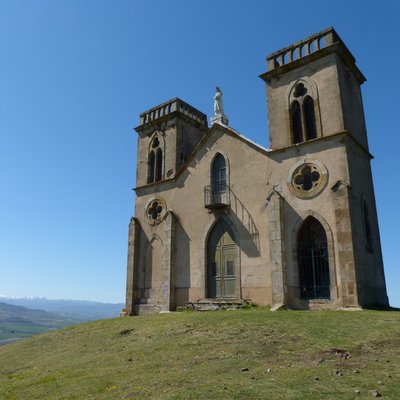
220 219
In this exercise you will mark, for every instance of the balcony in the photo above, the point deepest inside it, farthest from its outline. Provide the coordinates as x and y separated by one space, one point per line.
217 196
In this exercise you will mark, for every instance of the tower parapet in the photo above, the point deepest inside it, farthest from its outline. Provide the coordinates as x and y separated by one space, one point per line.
165 110
316 45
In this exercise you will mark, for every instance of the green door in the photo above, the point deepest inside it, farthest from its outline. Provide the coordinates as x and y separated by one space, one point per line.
222 271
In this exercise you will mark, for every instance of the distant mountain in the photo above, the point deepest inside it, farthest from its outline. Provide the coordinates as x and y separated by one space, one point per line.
21 315
77 309
17 322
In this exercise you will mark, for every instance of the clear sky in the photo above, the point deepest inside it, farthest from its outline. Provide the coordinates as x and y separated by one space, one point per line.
74 76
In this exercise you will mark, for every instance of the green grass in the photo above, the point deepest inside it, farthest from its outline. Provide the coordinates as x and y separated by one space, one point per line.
247 354
10 330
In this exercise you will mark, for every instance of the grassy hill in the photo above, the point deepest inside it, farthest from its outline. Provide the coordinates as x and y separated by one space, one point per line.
20 322
246 354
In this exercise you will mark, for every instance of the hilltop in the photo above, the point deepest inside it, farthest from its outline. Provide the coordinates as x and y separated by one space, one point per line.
246 354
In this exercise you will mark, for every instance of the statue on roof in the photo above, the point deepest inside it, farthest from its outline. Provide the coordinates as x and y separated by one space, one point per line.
218 105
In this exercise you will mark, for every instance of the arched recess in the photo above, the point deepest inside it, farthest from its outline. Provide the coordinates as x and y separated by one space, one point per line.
154 267
304 93
306 252
156 158
222 260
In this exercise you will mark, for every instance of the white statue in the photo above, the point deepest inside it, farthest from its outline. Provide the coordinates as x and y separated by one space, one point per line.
218 106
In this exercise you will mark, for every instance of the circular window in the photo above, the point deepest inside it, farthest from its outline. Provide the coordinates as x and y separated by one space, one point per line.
307 179
155 211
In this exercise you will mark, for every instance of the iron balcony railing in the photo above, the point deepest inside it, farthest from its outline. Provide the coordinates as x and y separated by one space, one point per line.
217 196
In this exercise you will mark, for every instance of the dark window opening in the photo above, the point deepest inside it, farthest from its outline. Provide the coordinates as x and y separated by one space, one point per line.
158 165
297 129
367 228
313 261
155 163
309 116
219 173
150 177
230 270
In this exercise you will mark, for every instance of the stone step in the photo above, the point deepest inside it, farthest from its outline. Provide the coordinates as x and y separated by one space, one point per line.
146 309
217 304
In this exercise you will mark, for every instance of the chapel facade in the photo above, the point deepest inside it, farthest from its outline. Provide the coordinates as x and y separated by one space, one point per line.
220 218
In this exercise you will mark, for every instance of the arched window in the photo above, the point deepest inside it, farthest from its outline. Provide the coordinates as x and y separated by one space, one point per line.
155 161
297 129
313 261
218 174
309 118
303 111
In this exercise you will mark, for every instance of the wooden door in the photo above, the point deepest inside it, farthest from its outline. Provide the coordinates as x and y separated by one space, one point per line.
222 264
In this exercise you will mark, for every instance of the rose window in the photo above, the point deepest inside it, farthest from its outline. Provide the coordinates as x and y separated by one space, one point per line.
155 211
307 179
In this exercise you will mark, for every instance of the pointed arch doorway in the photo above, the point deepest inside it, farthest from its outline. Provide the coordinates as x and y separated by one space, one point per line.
223 269
313 260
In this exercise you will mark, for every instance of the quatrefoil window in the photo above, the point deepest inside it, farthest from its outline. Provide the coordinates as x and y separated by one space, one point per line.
307 179
155 211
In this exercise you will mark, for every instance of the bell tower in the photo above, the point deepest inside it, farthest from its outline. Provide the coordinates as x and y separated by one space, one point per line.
313 90
167 135
319 145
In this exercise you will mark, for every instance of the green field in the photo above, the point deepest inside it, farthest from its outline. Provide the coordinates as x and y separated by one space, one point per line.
246 354
12 330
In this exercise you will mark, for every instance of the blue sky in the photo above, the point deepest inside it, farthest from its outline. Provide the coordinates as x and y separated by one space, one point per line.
74 76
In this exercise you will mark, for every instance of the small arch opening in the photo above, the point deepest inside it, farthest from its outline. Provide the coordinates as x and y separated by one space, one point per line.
285 58
321 42
311 46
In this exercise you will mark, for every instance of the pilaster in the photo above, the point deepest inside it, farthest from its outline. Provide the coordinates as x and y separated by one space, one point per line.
168 285
344 242
132 267
276 249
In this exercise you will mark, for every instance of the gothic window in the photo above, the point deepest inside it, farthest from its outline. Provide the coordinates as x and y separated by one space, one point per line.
302 113
155 211
218 173
155 161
